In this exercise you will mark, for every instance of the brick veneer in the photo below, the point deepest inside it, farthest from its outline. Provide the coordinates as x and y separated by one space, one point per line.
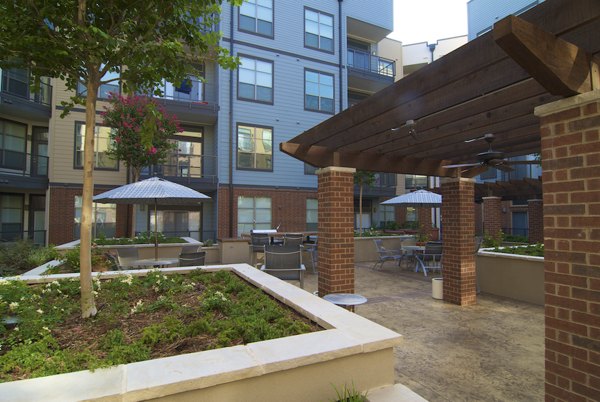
492 216
336 230
458 231
424 217
61 214
288 208
570 149
535 216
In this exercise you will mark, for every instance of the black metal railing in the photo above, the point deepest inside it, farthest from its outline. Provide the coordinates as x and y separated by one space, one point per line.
36 236
23 164
200 235
188 167
514 231
371 63
17 83
191 90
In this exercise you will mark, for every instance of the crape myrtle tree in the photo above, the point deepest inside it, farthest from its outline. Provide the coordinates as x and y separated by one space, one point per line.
85 42
362 178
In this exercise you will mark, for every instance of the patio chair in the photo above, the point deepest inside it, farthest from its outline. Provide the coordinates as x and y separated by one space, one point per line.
258 241
312 249
284 263
114 262
431 258
127 256
192 259
293 239
386 254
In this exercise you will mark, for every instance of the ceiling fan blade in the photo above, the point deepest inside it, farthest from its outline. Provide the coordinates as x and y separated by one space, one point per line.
489 137
461 165
475 139
474 171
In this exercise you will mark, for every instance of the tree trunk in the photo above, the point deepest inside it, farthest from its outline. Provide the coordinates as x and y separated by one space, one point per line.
360 226
88 305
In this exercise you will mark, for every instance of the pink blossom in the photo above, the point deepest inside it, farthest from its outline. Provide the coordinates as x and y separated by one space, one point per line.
152 150
118 140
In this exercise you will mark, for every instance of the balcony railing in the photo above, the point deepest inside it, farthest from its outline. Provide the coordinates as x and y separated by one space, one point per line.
191 90
367 62
16 82
186 167
23 164
36 236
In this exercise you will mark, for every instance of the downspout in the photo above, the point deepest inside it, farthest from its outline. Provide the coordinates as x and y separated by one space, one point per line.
231 198
341 54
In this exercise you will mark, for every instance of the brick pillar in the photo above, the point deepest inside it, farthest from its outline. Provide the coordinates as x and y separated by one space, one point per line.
492 215
570 150
424 217
458 231
336 230
535 216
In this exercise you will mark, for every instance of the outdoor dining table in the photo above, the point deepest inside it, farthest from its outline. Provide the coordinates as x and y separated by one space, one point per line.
151 262
346 300
414 250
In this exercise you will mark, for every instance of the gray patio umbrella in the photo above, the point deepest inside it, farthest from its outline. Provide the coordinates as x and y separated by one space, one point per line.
419 198
154 191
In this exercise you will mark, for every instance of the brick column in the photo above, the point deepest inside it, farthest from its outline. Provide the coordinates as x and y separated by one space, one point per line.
458 231
570 150
492 215
336 230
535 216
424 217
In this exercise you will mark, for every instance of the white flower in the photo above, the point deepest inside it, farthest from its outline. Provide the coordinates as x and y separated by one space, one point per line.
39 310
46 329
17 329
137 306
3 282
12 306
127 279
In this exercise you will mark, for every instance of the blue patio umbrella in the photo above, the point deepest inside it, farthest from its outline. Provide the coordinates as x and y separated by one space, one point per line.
419 198
153 191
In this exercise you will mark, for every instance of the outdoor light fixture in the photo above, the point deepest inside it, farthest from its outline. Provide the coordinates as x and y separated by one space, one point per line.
412 128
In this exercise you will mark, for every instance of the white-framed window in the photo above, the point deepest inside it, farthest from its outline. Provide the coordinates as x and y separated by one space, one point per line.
11 218
254 147
387 214
318 91
318 30
104 219
253 213
256 16
255 80
102 143
312 214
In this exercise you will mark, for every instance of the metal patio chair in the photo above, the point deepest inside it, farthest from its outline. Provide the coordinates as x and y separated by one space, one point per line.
386 254
258 241
192 259
127 256
431 259
284 263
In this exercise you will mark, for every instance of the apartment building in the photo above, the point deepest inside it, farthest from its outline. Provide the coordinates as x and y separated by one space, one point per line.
301 62
482 14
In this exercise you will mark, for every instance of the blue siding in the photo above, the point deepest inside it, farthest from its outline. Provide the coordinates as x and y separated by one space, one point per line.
375 12
482 14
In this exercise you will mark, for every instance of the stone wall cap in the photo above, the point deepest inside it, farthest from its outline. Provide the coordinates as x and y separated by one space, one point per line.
567 103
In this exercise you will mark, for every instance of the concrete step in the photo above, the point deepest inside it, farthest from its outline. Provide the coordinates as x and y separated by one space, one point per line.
394 393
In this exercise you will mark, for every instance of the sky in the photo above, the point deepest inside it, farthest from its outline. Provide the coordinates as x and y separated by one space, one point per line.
428 20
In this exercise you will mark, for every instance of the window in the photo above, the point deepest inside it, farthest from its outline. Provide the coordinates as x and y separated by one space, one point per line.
310 169
318 30
411 214
102 144
104 219
256 16
387 214
105 89
255 147
312 214
255 80
415 181
253 213
11 217
318 91
13 142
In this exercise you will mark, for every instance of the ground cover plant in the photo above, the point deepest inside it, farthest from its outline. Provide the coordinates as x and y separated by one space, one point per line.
142 238
535 250
21 256
139 318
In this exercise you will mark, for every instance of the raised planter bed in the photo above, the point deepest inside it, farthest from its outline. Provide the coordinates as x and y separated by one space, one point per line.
513 276
352 349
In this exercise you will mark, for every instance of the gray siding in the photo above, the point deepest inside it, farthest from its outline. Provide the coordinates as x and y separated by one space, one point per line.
482 14
375 12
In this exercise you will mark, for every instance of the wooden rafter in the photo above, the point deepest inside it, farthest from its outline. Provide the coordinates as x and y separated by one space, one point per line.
561 67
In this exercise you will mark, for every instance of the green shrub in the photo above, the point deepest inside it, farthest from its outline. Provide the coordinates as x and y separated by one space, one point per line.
21 256
515 238
534 250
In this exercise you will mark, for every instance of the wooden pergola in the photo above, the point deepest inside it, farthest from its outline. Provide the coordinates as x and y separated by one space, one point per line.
547 59
490 85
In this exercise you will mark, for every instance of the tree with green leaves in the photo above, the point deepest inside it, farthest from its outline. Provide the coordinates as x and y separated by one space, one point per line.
362 178
87 42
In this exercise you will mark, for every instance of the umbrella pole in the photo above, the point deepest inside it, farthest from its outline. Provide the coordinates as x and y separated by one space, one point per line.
155 231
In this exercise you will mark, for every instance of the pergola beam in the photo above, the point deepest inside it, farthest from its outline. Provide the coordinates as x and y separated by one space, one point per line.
561 67
322 157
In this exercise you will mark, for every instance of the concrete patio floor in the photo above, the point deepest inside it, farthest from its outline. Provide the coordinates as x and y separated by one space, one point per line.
493 351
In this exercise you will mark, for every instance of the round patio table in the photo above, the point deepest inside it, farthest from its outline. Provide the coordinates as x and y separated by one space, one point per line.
346 300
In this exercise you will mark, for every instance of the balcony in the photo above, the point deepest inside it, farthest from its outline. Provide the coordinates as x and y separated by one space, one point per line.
384 185
17 99
22 170
197 171
193 101
369 72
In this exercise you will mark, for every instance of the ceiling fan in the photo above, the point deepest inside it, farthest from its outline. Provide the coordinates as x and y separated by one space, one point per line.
491 158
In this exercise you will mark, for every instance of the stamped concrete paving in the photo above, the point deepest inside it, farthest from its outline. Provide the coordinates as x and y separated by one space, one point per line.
493 351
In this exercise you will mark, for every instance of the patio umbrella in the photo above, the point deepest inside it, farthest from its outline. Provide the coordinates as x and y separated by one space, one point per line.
153 191
419 198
